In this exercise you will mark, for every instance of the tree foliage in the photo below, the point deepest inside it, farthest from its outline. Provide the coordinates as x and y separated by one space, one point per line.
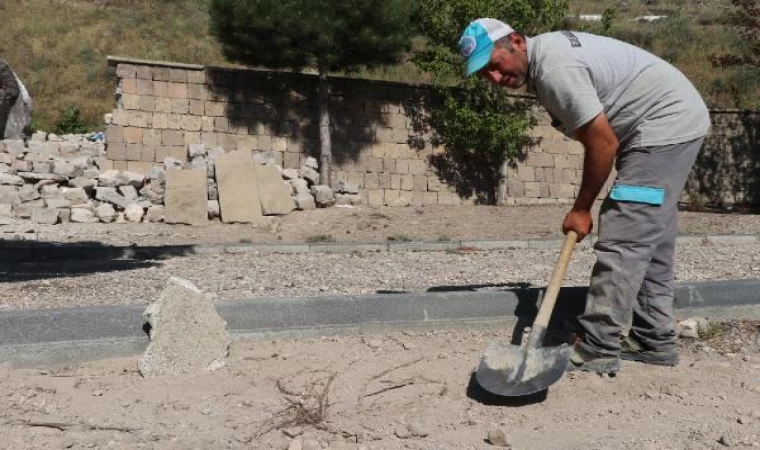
325 34
480 125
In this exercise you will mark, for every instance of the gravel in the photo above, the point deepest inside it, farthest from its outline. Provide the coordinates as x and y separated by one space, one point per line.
229 276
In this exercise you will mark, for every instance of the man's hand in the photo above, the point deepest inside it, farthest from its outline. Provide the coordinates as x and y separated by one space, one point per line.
580 221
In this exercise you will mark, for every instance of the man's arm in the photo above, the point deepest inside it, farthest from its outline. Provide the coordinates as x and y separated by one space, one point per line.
601 145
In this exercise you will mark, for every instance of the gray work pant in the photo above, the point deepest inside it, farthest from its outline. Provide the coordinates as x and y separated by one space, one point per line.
632 280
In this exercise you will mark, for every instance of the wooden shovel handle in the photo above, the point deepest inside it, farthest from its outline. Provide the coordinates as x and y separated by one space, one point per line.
550 298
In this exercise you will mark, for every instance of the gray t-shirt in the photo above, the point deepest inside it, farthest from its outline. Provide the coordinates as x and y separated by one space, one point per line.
648 102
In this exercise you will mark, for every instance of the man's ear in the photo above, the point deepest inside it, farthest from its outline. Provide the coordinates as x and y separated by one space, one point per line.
517 41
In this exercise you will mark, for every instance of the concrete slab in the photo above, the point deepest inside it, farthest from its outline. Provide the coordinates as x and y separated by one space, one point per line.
239 198
186 197
274 193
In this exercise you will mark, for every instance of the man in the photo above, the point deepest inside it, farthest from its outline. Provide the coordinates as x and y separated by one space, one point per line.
9 93
629 107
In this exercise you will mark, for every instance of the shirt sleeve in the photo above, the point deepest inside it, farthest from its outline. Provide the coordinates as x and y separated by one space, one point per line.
569 95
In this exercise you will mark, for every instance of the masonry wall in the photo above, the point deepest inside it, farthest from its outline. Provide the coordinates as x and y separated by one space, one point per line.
163 107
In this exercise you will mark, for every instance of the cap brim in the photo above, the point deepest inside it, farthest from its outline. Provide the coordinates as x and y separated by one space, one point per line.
478 60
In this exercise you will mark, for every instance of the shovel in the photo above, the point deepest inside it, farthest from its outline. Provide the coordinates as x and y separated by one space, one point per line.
515 371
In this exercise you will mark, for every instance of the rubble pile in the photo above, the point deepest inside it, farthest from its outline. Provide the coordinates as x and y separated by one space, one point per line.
53 179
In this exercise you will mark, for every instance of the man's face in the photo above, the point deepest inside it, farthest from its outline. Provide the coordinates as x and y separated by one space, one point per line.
508 67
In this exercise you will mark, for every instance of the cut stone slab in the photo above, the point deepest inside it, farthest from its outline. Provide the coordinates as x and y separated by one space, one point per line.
109 194
48 216
187 334
323 196
236 176
83 214
185 198
12 180
274 192
305 202
34 176
9 195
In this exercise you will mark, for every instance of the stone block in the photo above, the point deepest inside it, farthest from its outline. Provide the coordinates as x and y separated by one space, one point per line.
134 213
109 194
429 198
535 159
186 197
58 202
305 202
10 180
239 197
105 213
177 90
273 191
155 213
323 196
187 334
47 216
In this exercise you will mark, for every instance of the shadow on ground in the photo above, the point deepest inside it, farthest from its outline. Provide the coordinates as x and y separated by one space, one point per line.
33 260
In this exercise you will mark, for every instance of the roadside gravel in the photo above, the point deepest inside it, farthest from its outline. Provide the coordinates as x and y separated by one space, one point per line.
228 276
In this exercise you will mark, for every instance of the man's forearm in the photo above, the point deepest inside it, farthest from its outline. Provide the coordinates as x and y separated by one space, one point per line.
597 165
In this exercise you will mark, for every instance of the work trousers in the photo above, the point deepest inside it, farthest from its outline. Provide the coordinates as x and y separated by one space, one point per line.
632 280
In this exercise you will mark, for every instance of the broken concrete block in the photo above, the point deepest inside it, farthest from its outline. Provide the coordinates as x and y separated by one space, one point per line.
155 213
88 184
300 187
186 333
134 213
239 199
185 199
10 180
76 195
9 195
305 202
65 168
213 209
129 192
290 174
109 194
83 214
15 147
274 193
311 163
309 174
47 216
323 196
57 202
28 193
35 176
105 213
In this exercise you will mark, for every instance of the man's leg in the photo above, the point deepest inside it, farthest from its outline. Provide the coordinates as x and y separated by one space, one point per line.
631 232
653 328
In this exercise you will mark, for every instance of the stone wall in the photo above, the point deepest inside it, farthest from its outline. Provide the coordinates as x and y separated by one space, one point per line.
164 107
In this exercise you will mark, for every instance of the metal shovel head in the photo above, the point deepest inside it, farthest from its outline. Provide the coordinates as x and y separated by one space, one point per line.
514 371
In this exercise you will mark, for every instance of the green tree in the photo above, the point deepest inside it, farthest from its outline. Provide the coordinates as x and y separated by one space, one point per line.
482 127
327 35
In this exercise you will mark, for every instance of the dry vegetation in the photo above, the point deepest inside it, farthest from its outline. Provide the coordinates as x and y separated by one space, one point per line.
59 47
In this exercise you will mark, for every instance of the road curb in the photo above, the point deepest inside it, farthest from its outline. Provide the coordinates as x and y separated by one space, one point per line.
40 338
36 251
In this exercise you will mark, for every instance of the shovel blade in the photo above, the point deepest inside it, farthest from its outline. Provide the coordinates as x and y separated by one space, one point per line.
513 371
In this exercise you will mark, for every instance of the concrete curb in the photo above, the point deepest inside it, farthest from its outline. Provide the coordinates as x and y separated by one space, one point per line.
48 337
35 251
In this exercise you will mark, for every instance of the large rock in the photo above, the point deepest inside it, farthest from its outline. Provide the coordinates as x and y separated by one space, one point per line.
8 179
323 196
309 174
238 189
186 333
48 216
35 176
305 202
9 195
106 213
83 214
28 193
134 213
300 187
155 213
185 197
109 194
274 192
15 147
76 195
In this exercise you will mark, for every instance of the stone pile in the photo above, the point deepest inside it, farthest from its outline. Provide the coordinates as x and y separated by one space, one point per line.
52 179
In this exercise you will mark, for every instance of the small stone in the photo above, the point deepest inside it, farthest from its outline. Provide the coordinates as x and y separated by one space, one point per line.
98 393
417 430
134 213
155 213
173 163
725 441
290 174
497 438
106 213
83 214
690 328
213 209
744 420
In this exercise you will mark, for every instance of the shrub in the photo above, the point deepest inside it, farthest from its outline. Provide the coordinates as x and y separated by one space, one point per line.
71 122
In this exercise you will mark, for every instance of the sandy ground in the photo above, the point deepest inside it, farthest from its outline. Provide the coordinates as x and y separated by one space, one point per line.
402 390
362 224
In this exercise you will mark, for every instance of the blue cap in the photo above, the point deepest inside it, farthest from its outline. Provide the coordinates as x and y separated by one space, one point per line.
477 42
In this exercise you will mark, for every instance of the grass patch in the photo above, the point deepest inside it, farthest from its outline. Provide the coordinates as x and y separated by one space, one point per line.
399 238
